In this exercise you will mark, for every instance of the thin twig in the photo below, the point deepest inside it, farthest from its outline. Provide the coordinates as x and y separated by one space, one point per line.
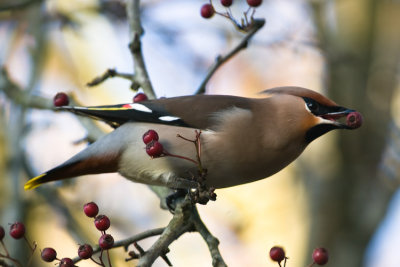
110 73
257 25
108 258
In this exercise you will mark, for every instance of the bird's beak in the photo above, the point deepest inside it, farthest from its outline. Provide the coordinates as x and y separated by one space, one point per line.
343 118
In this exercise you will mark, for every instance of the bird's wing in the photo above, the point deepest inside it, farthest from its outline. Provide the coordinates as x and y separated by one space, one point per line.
187 111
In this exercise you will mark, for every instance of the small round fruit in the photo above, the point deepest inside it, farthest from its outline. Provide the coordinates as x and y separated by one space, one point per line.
85 251
354 120
102 222
139 97
320 256
149 136
154 149
66 262
207 11
91 209
61 99
277 254
254 3
106 241
2 233
226 3
49 254
17 230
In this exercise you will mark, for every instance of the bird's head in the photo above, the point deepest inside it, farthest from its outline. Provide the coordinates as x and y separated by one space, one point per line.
320 114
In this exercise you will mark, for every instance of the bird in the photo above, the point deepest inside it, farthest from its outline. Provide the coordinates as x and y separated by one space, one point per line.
242 139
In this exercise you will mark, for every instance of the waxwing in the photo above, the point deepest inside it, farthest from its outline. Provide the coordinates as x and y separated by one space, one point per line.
242 139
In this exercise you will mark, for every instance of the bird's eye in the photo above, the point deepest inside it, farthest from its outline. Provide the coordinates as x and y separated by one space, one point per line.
312 105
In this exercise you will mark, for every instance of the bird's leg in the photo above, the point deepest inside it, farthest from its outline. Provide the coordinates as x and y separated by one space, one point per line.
172 199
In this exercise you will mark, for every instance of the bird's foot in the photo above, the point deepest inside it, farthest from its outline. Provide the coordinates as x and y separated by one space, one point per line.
203 194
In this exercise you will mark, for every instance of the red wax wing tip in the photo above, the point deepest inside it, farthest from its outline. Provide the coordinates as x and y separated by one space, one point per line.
126 106
354 120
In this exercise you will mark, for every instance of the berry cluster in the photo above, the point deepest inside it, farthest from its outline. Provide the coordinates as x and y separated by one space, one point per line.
17 231
153 148
85 251
208 10
102 223
319 256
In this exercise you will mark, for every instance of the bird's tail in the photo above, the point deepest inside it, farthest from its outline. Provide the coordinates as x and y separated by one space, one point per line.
58 173
38 180
80 164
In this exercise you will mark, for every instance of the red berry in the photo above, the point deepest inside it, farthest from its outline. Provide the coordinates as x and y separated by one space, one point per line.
139 97
207 11
277 254
106 241
49 254
2 233
61 99
320 256
85 251
66 262
149 136
226 3
354 120
102 222
17 230
154 149
254 3
91 209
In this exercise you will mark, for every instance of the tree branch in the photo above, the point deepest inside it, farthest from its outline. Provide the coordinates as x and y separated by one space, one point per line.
141 75
212 242
176 227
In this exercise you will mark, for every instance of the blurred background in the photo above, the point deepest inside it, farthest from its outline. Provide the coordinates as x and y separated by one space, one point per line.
342 193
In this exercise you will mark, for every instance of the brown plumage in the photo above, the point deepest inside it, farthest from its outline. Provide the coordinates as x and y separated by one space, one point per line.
243 139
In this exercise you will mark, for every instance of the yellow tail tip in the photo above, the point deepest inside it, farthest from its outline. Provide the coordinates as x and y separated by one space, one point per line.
34 182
